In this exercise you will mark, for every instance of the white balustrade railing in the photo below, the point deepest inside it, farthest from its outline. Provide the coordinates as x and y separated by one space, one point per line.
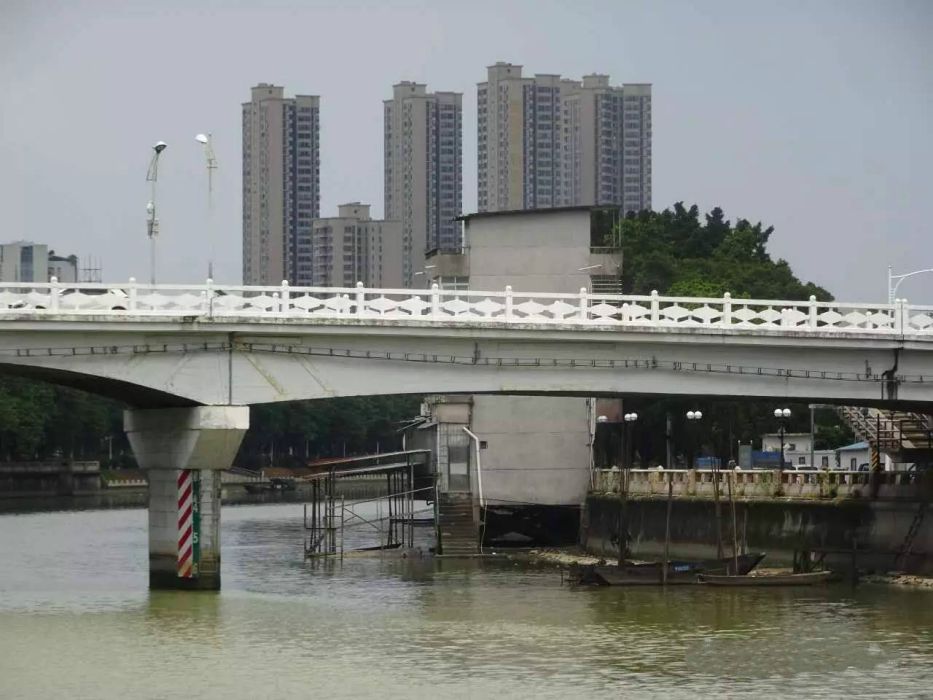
475 307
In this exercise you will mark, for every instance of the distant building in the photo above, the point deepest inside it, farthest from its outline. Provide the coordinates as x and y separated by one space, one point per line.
854 457
281 185
797 454
63 269
23 261
351 247
423 170
546 141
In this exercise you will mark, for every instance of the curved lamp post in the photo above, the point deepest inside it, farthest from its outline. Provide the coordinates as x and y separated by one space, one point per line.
892 291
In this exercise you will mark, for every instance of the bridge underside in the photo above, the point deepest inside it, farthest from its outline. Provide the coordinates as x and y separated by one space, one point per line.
184 364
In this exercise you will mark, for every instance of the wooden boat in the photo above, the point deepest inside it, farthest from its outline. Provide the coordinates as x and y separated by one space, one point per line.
650 573
810 579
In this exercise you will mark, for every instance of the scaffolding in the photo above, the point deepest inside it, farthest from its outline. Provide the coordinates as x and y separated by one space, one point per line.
328 515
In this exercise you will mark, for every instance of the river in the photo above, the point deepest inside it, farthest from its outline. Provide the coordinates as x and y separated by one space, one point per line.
77 621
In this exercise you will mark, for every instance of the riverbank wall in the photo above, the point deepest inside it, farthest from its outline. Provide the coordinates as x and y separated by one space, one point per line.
782 527
133 492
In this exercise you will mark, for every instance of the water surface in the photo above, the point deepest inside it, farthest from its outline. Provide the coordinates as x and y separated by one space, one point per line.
77 621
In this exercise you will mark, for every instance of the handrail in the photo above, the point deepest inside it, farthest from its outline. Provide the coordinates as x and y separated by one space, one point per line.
213 301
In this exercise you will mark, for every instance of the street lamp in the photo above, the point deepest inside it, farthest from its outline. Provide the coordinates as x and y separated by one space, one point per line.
693 416
211 162
630 419
892 291
152 175
782 414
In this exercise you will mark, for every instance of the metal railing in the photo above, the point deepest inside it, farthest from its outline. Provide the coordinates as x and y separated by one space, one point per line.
435 305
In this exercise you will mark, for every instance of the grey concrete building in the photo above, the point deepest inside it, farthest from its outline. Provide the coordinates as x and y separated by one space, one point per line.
23 261
281 185
64 269
534 450
352 247
423 170
546 141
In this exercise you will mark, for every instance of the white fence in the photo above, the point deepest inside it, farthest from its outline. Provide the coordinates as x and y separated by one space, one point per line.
763 484
472 307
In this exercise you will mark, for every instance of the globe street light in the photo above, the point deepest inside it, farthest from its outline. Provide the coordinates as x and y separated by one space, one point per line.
782 414
152 175
693 416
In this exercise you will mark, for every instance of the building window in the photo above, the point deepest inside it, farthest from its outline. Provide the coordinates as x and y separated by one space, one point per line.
801 460
824 461
853 464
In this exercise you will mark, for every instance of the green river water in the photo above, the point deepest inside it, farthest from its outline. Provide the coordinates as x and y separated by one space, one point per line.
77 621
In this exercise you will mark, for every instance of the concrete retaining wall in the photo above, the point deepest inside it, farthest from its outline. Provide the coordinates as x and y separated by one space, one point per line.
776 526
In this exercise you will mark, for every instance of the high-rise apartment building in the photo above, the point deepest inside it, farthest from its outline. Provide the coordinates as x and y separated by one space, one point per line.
550 142
351 247
423 170
281 185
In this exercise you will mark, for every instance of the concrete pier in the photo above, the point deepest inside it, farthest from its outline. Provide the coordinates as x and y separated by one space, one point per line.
184 450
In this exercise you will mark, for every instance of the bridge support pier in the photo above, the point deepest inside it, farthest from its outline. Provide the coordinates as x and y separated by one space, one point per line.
184 451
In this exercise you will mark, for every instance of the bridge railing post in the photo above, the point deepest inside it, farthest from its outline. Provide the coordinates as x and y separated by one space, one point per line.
54 294
584 304
900 311
508 302
435 301
131 295
655 307
726 309
812 321
360 299
284 298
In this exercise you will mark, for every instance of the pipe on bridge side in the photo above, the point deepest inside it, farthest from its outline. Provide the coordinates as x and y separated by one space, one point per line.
184 451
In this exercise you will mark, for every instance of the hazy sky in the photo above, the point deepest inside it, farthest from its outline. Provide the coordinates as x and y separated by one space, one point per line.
815 117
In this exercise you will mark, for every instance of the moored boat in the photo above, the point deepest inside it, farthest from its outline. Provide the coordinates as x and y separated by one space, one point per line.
810 579
679 572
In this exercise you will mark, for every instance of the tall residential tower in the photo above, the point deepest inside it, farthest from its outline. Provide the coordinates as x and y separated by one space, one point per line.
551 142
423 171
281 185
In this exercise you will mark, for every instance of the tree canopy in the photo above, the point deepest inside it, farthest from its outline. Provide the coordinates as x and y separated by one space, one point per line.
678 254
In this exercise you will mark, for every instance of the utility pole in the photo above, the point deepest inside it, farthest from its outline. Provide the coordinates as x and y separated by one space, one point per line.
152 176
211 161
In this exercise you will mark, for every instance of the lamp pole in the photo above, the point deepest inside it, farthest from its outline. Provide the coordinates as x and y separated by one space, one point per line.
630 419
782 414
206 140
892 290
152 176
691 417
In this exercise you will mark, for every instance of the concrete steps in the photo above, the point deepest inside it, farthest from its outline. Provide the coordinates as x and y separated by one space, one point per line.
458 531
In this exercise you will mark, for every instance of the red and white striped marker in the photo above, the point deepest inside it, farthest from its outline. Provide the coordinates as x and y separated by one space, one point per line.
185 524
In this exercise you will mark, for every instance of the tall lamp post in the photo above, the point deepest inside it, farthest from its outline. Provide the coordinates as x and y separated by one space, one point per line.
892 290
152 176
691 417
630 419
782 414
211 162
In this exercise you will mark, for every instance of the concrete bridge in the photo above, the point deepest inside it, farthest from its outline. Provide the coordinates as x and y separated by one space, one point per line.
192 358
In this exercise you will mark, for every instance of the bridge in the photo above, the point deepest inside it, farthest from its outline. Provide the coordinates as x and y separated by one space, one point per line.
190 359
